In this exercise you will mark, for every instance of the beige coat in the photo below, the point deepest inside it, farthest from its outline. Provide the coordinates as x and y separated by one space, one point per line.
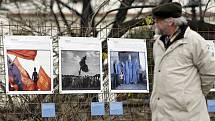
183 74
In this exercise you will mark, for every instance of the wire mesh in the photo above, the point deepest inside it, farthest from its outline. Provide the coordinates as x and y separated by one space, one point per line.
75 107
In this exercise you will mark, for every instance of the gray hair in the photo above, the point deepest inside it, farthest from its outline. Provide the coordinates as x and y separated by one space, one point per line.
178 21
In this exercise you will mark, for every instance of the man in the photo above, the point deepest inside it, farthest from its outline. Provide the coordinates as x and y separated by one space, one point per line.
128 70
15 78
120 72
184 69
35 76
135 71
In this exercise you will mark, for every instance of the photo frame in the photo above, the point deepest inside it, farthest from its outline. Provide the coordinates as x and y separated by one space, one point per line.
128 67
28 64
80 63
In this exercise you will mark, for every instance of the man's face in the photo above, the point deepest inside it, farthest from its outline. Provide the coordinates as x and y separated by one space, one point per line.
161 27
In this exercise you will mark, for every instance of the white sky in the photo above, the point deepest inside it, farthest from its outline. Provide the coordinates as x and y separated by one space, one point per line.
42 59
70 62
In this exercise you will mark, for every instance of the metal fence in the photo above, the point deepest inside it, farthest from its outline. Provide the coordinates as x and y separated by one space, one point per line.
74 107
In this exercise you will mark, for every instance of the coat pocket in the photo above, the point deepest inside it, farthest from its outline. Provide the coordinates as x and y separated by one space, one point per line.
176 103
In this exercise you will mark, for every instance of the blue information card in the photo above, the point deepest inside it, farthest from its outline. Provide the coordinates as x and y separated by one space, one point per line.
211 105
97 108
116 108
48 109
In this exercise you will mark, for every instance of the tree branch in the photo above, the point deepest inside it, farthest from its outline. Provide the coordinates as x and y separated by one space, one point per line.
127 26
120 16
71 9
55 17
95 32
131 7
124 27
87 14
64 18
206 7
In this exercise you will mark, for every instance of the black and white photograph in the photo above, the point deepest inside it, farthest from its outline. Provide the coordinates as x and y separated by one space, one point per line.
128 66
80 65
80 70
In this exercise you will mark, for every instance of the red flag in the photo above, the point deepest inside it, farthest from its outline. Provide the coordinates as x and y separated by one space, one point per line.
25 54
44 81
28 84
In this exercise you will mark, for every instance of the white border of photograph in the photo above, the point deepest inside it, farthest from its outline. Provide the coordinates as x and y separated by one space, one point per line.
43 43
211 47
132 45
79 44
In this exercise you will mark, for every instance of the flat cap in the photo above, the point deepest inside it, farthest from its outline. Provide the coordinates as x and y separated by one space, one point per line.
167 10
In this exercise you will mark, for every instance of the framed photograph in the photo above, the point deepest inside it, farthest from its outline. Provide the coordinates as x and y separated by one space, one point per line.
80 62
128 68
28 64
211 48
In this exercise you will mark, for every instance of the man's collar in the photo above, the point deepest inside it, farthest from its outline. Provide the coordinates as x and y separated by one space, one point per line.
178 35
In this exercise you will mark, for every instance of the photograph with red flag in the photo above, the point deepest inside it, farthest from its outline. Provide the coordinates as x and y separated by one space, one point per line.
29 65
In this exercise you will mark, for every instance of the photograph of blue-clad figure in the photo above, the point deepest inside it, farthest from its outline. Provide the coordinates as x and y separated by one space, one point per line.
128 70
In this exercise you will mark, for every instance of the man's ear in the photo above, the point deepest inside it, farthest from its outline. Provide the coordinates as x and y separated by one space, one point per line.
170 21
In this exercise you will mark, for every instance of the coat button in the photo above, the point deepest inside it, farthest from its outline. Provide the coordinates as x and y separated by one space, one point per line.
159 70
158 98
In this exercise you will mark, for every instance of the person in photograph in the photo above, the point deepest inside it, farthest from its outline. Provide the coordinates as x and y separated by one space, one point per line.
18 82
35 76
120 73
83 65
135 71
128 70
132 70
184 70
142 76
114 75
15 79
